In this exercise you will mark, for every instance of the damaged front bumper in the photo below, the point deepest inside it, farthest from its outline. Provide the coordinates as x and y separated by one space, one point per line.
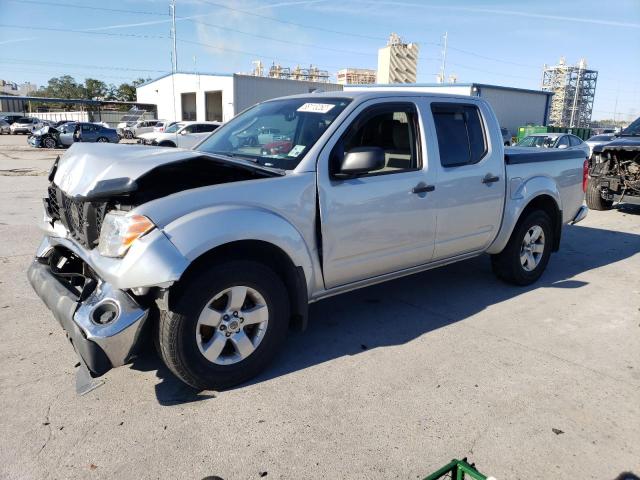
104 328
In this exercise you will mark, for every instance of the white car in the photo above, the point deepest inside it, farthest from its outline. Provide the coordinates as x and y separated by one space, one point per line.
599 140
555 140
162 125
127 130
185 134
25 125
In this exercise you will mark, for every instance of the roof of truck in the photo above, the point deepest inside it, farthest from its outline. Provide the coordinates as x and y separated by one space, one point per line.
375 93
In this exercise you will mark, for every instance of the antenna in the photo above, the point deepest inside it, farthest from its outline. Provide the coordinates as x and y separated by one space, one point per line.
172 7
444 58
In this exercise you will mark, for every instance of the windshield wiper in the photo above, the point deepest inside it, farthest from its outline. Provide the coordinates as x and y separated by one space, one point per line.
253 158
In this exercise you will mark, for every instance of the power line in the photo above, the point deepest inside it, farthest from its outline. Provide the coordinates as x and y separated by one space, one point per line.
17 61
85 32
89 7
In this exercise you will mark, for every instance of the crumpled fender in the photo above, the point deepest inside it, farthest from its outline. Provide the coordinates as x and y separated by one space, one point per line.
520 193
198 232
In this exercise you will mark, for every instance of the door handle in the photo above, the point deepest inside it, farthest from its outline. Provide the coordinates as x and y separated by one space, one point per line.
422 188
489 178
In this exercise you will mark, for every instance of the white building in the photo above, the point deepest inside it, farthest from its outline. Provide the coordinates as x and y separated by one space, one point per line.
398 61
357 76
217 96
514 107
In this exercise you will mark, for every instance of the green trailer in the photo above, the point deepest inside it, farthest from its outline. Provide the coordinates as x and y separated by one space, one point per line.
583 133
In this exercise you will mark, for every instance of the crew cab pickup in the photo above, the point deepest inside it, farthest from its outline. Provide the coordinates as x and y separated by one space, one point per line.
213 253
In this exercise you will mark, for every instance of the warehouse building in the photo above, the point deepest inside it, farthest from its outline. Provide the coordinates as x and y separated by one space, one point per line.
514 107
217 96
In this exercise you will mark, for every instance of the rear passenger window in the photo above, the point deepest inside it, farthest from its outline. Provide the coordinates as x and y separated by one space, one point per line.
460 131
575 141
391 127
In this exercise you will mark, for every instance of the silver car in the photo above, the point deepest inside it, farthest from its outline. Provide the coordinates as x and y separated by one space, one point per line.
555 140
4 127
599 140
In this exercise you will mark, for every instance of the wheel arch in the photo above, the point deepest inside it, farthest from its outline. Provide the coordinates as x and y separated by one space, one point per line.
259 251
547 200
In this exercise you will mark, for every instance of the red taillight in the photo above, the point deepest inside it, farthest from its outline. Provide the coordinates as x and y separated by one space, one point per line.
585 175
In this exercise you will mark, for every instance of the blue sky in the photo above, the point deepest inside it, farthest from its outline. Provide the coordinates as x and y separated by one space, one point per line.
498 42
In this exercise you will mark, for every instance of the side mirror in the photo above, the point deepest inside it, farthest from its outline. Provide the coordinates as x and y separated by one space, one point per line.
184 132
562 146
362 160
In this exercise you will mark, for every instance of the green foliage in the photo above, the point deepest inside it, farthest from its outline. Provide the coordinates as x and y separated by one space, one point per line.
66 86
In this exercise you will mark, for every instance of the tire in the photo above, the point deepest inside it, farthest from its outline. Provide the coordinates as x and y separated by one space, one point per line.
182 339
167 144
49 142
128 135
102 140
594 199
508 265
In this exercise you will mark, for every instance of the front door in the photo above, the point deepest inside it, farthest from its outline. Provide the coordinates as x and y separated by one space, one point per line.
471 183
383 221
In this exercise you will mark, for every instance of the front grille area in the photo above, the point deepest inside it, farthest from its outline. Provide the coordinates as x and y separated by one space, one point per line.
82 219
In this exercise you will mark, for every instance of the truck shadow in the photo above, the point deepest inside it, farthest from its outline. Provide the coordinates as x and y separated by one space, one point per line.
357 321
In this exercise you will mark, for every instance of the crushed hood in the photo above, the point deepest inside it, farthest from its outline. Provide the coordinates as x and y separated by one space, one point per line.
94 170
620 143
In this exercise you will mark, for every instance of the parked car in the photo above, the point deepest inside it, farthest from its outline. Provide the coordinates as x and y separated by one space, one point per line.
599 140
185 134
138 128
555 140
214 253
25 125
162 125
11 118
4 127
614 175
70 133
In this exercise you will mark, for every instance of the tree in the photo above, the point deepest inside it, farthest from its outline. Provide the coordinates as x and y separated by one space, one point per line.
95 89
127 91
62 87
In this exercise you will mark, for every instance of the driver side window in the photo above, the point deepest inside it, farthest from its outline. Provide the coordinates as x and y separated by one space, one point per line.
391 127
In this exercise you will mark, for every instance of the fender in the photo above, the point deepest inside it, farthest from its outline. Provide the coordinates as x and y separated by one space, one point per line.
520 194
198 232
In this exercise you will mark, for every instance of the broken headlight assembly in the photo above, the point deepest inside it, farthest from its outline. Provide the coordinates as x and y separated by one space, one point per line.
119 231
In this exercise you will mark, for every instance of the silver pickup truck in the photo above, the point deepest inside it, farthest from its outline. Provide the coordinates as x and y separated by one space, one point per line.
214 253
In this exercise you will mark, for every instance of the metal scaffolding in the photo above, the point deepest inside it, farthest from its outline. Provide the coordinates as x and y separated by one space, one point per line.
574 88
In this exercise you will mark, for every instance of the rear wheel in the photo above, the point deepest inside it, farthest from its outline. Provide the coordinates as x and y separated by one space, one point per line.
227 324
102 140
594 198
128 134
527 253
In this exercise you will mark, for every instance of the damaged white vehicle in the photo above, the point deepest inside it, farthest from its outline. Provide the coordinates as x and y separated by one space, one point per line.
214 253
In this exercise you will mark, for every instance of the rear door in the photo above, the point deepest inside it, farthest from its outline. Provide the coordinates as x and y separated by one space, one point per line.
471 177
383 221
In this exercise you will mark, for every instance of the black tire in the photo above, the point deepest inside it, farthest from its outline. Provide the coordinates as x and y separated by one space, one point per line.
507 265
177 328
594 199
128 135
102 140
49 142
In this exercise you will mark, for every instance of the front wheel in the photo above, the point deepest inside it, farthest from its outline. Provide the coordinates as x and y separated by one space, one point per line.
527 253
49 142
102 140
228 322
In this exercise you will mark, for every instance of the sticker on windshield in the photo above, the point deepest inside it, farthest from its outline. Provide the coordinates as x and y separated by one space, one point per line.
295 151
316 107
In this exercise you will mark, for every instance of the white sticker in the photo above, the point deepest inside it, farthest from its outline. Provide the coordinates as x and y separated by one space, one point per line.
316 107
295 151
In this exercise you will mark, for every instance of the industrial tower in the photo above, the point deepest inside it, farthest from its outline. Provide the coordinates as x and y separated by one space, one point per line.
574 88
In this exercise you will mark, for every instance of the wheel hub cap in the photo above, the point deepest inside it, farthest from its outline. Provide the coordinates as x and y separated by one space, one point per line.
532 248
232 325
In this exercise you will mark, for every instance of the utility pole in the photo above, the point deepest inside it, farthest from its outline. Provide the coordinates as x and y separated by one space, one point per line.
444 58
174 57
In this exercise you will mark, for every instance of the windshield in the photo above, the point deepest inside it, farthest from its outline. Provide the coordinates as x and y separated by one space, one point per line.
537 141
277 133
173 128
632 129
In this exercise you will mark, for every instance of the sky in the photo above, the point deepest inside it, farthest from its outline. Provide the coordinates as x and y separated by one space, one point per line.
496 42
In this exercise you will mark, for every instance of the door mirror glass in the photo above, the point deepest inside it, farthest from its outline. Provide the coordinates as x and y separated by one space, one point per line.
564 145
361 160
